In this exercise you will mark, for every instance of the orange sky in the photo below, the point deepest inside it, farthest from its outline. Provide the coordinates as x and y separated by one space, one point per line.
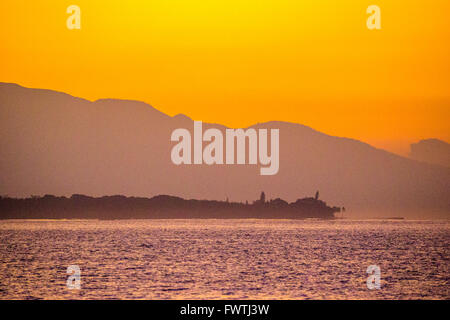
239 62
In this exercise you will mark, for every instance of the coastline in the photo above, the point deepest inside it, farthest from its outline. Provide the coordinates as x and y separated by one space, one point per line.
161 207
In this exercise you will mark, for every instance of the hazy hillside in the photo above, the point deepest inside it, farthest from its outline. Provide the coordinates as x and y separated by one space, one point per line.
53 143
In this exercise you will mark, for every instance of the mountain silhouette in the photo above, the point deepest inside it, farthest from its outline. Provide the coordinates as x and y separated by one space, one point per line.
432 151
54 143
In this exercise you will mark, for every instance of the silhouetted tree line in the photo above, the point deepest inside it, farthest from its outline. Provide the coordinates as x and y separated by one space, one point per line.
80 206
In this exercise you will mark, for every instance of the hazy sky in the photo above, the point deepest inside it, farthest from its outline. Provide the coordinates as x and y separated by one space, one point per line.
239 62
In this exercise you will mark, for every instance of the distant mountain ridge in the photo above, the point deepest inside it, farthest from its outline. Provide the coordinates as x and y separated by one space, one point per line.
54 143
433 151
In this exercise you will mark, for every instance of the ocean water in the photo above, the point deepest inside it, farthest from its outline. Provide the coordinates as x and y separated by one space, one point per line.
227 259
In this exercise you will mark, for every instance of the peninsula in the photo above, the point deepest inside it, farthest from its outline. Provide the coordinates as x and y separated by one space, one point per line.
160 207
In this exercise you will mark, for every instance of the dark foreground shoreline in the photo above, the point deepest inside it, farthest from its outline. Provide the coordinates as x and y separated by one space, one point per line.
160 207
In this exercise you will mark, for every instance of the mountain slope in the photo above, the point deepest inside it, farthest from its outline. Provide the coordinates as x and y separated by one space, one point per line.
53 143
431 151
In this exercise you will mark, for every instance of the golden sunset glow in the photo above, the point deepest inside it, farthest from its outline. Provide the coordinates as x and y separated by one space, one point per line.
239 62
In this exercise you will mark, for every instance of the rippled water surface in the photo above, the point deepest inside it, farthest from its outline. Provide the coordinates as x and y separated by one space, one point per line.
229 259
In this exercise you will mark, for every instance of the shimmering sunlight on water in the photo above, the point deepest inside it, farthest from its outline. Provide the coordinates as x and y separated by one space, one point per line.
230 259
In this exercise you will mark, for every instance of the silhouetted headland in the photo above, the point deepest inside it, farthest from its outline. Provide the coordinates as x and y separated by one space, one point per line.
160 207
